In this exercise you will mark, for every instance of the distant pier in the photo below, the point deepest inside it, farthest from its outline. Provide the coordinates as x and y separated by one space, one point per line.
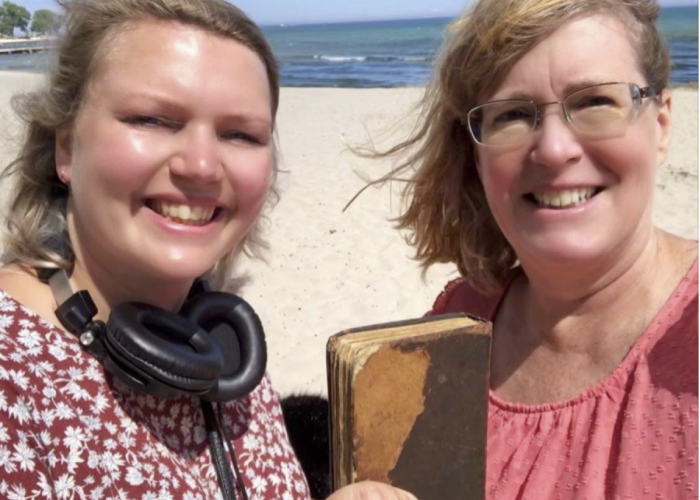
25 46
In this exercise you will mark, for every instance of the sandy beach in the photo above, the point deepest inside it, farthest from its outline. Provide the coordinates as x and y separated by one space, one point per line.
327 270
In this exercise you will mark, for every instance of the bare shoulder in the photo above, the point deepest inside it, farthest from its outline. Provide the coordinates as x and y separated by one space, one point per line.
15 277
680 253
675 260
23 286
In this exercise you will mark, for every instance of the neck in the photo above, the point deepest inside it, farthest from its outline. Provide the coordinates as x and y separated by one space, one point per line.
559 300
109 287
574 333
573 281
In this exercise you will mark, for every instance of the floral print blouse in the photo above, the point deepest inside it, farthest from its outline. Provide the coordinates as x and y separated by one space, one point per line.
68 430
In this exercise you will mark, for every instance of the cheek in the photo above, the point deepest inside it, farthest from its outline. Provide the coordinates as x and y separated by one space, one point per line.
499 172
631 159
637 151
250 179
116 160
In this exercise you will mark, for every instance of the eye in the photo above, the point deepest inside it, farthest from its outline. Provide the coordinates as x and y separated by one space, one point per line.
592 101
148 121
237 135
513 115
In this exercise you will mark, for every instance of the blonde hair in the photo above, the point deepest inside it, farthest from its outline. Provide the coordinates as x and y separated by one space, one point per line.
36 234
447 215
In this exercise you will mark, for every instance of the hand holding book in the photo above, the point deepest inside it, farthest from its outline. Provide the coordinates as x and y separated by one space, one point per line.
370 490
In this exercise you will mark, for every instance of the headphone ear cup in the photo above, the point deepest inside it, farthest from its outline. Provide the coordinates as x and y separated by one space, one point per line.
160 352
232 323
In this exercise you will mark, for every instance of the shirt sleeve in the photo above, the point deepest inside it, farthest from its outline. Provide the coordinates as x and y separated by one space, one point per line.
459 297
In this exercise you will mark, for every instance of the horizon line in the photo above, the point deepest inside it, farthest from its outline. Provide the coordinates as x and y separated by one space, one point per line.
275 24
348 21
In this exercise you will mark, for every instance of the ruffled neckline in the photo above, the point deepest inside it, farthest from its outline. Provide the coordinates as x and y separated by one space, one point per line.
614 379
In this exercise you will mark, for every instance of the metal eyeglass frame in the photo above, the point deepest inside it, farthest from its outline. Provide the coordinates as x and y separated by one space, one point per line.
638 93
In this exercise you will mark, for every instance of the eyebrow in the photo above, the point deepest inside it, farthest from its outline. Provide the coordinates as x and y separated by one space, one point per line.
568 89
582 84
154 99
174 107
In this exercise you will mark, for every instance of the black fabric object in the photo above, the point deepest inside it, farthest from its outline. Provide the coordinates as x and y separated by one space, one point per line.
306 419
214 348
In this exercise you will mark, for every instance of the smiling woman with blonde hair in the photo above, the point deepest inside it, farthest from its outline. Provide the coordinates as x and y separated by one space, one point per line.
147 161
534 171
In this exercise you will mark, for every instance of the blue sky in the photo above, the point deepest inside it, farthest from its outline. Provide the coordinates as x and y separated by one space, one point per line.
308 11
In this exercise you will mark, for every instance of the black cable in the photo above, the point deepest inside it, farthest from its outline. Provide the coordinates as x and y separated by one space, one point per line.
218 452
229 444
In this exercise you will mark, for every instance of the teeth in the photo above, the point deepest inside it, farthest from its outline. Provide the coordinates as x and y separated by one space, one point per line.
183 214
564 199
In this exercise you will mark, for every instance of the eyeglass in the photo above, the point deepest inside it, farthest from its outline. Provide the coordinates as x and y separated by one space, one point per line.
599 111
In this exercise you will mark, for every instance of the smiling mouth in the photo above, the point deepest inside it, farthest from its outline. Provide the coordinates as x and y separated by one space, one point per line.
562 199
191 215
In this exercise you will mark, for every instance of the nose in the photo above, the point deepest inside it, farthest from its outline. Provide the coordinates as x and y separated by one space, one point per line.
556 144
198 158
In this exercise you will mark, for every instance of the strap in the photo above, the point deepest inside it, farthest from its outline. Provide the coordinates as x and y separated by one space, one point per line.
229 445
218 452
60 286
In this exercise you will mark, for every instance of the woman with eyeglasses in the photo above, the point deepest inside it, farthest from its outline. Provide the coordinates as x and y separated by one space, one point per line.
146 162
534 172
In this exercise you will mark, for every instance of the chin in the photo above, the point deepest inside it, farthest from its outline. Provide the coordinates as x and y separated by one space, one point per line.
564 256
566 251
181 270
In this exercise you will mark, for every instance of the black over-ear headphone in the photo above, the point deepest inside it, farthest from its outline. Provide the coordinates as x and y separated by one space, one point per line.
214 348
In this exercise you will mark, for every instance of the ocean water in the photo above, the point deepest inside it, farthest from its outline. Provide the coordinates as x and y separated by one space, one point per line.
680 27
401 53
359 54
394 53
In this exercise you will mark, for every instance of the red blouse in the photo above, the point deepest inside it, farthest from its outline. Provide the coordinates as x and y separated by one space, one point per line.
68 430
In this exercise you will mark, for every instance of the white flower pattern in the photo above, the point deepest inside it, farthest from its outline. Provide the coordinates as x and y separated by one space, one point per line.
68 430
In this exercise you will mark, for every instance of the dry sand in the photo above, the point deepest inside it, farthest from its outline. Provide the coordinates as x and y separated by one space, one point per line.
328 270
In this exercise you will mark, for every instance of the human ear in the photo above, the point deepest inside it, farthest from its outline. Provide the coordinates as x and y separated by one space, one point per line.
63 154
663 124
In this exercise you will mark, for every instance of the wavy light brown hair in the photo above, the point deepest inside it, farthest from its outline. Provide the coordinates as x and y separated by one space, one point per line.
447 215
36 232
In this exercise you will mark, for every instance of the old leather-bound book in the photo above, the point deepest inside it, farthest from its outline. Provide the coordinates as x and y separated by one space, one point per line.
409 402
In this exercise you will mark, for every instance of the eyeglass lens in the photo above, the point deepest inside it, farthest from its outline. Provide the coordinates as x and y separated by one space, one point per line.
598 111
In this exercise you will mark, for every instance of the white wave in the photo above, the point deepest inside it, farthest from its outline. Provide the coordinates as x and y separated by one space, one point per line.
340 58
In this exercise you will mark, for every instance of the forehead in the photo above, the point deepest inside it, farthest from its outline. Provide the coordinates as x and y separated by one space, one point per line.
593 49
184 63
153 39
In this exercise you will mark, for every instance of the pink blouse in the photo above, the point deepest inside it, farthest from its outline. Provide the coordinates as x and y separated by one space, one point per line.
634 435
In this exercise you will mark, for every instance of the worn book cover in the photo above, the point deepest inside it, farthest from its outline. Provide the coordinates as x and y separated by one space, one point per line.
409 402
